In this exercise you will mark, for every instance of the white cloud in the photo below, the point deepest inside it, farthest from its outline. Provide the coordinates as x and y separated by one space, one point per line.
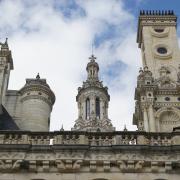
43 40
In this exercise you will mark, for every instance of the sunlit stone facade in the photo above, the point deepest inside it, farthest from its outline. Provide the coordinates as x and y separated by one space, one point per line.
93 150
157 94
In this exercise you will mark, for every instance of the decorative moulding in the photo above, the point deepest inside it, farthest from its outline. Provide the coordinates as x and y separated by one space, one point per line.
159 34
164 56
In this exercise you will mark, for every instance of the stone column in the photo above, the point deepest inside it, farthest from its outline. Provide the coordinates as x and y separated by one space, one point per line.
83 110
152 124
158 124
146 123
106 109
79 109
92 106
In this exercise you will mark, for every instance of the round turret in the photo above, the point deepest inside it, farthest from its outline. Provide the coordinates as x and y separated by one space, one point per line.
37 100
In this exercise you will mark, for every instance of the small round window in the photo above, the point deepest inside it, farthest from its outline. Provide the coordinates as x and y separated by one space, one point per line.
162 50
167 98
159 30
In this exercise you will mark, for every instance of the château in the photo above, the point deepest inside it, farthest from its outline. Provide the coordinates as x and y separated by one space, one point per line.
93 149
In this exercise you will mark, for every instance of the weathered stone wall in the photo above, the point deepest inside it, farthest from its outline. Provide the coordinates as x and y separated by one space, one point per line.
35 114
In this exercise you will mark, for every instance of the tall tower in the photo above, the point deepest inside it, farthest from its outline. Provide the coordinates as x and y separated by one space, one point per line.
158 85
6 64
93 99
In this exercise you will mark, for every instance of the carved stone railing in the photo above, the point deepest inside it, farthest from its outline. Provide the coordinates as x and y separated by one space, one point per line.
90 138
74 151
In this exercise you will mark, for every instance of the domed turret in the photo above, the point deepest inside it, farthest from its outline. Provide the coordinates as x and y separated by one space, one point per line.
93 99
92 69
37 100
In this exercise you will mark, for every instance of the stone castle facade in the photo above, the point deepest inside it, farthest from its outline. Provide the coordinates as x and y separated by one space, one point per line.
93 150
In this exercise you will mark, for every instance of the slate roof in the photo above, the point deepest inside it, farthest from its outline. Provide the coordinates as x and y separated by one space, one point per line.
6 121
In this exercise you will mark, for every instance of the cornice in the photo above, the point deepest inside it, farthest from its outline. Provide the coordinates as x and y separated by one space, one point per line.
50 103
41 88
84 89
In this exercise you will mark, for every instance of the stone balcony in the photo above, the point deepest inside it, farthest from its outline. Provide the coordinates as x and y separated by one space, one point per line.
89 139
73 151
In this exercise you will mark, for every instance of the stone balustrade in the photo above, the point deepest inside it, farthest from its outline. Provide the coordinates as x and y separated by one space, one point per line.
90 138
75 151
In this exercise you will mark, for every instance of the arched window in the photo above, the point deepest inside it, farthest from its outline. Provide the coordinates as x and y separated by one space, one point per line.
87 108
97 107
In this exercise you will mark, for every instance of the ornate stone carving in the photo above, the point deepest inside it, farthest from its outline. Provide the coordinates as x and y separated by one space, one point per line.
60 165
77 164
32 165
92 166
93 117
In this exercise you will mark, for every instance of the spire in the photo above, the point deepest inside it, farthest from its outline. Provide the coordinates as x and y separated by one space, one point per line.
125 129
92 48
62 129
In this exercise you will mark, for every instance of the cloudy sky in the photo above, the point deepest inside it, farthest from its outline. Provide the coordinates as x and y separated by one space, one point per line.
54 38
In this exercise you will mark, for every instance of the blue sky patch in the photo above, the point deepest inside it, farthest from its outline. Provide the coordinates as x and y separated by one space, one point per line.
113 71
70 8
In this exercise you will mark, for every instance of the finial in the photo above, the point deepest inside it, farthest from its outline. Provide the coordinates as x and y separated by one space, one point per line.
145 68
140 70
6 42
125 129
62 129
38 76
92 58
